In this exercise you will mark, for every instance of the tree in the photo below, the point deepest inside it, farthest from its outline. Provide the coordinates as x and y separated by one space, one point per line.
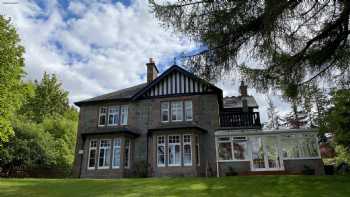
295 41
337 119
11 71
49 99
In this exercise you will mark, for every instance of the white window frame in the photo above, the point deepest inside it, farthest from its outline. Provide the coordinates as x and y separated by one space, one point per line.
174 144
167 110
104 156
187 104
114 114
123 118
165 150
297 138
116 146
222 140
183 148
178 110
100 113
90 149
129 150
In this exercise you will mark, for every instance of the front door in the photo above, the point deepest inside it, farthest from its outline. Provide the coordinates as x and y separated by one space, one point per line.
265 154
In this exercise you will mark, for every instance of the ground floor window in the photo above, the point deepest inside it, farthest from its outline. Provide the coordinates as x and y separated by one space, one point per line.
187 150
92 154
116 153
104 156
197 152
174 150
232 148
127 153
161 150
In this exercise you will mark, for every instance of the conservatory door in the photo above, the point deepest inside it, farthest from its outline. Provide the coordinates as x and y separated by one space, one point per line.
265 154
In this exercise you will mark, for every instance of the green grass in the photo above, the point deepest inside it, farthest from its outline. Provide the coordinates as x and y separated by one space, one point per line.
250 186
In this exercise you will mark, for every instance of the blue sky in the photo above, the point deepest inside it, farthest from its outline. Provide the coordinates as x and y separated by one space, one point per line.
100 46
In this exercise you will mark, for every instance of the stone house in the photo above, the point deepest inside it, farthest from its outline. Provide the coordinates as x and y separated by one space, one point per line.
177 124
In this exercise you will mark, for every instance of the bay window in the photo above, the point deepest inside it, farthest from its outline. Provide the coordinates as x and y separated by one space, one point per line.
161 150
174 150
188 110
187 150
105 154
92 154
124 115
113 115
165 111
176 111
102 116
116 153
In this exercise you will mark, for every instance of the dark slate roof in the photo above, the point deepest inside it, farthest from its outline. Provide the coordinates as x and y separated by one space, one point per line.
123 94
236 102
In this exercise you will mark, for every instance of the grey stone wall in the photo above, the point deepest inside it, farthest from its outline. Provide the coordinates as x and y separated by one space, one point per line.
142 116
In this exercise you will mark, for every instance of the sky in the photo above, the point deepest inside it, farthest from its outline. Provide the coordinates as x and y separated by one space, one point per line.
99 46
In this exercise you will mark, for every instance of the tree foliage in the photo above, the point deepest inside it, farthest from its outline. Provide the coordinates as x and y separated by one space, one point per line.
338 117
292 42
11 71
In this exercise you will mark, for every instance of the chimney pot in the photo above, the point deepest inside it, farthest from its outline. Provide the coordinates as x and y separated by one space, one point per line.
243 89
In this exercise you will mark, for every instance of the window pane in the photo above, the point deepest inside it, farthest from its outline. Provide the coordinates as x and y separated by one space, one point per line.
188 110
161 154
174 150
102 154
102 116
308 147
127 153
124 115
187 154
165 111
113 115
105 153
176 111
290 147
116 153
240 150
92 158
225 152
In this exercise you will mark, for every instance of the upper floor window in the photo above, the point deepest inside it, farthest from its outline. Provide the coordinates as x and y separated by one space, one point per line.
164 111
188 111
102 116
113 115
176 111
124 115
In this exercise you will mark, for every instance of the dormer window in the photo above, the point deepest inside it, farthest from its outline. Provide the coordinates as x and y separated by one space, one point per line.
102 116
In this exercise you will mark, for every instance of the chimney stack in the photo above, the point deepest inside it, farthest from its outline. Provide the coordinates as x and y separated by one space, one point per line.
152 71
243 89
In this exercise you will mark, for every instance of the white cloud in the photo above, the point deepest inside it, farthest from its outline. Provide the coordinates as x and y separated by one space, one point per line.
97 47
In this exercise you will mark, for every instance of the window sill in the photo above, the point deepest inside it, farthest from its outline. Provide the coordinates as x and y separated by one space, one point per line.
103 168
92 168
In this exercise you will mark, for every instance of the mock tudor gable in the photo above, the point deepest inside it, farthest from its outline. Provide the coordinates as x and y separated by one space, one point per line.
176 82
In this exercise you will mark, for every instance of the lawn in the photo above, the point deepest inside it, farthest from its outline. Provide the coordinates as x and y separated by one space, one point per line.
250 186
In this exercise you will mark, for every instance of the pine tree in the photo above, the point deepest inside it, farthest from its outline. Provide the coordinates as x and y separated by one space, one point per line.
296 41
274 119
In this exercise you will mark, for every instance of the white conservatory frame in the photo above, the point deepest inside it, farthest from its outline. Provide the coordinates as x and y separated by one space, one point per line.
260 133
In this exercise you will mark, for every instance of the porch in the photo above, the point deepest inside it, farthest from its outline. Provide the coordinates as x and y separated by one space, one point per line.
255 151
